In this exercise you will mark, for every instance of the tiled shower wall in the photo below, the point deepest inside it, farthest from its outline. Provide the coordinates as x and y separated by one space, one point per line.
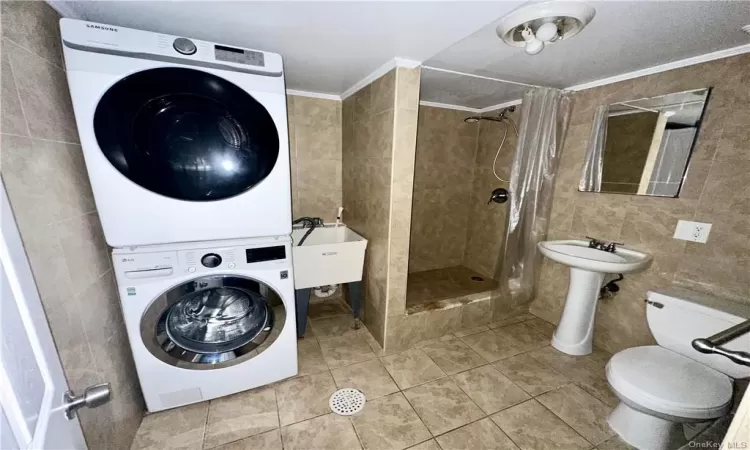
315 151
44 174
452 224
716 191
443 182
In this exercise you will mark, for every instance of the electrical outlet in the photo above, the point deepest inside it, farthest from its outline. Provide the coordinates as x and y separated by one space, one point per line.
692 231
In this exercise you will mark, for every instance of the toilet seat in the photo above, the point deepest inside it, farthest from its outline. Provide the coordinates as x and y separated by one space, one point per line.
670 384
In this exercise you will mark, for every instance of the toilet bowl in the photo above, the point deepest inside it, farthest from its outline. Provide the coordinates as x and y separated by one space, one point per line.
664 387
659 390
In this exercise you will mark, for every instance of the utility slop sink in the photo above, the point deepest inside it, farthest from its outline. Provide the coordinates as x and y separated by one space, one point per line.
330 255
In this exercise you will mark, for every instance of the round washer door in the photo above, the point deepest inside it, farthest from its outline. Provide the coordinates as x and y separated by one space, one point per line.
186 134
212 322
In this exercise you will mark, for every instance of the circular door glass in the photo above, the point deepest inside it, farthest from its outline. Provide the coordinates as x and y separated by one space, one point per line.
216 320
186 134
212 321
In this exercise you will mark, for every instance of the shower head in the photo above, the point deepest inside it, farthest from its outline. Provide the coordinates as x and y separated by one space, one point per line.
499 118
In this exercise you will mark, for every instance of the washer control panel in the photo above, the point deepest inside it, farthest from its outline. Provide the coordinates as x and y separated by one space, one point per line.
172 261
228 258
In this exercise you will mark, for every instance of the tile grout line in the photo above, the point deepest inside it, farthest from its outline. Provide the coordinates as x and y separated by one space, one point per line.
33 53
565 421
485 416
351 424
278 415
18 92
205 425
417 413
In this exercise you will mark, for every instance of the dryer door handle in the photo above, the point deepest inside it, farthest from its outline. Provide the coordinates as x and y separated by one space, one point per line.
149 273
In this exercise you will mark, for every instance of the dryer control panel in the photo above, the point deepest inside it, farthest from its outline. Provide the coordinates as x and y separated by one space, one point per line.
120 41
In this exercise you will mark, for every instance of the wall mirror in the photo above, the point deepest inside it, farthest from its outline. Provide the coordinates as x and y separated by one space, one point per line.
643 146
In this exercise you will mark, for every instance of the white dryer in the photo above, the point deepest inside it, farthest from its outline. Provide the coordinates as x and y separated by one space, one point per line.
184 140
208 319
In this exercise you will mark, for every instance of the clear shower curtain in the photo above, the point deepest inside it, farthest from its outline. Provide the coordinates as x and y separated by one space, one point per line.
544 122
594 162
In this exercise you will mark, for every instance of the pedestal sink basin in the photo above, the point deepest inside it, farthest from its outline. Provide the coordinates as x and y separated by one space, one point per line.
588 266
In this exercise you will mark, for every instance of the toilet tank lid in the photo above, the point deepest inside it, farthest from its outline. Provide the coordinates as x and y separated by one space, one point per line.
705 303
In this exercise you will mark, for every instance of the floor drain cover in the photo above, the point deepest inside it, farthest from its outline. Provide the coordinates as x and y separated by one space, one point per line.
346 402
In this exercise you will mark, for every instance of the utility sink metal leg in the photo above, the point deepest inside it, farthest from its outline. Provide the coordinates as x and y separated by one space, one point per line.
355 296
302 300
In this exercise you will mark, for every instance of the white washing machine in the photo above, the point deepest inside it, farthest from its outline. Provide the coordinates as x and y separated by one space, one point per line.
184 140
208 319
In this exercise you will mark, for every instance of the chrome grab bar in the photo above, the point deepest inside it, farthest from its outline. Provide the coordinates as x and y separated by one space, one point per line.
713 344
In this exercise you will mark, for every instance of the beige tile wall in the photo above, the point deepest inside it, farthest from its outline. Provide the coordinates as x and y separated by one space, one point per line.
486 230
367 156
716 191
443 182
44 174
315 150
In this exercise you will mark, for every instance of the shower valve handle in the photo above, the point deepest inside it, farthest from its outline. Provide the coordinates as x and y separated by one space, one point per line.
499 195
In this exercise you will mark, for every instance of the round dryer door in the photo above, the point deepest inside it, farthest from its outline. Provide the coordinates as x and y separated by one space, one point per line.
186 134
212 322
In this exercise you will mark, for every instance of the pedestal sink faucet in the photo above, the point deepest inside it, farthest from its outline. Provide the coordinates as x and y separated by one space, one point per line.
589 262
602 245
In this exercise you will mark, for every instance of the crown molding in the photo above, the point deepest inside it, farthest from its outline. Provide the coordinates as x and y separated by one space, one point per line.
448 106
726 53
313 95
407 63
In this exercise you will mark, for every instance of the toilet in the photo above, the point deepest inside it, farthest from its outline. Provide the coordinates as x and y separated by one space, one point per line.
665 388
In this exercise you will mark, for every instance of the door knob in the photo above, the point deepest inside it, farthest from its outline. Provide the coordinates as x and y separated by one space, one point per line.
92 397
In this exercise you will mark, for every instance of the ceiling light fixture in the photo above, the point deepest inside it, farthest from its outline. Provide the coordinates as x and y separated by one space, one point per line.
536 25
533 45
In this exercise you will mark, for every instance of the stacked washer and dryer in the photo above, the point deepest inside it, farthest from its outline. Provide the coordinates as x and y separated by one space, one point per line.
186 147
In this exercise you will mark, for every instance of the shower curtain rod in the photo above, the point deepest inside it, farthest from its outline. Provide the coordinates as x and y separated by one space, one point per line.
481 77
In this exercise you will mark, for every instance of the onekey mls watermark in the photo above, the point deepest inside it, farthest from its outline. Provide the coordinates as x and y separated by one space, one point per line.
734 445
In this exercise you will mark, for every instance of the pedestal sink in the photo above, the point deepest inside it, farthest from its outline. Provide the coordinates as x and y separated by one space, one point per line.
588 266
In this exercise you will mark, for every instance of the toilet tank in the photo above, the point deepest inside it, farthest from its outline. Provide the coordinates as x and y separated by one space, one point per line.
687 315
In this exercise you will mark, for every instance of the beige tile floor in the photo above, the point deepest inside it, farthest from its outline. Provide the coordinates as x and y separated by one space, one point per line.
499 386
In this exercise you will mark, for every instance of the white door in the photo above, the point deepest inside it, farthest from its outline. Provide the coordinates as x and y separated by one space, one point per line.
32 383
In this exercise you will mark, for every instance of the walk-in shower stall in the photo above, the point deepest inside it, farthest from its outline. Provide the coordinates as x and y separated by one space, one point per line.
457 232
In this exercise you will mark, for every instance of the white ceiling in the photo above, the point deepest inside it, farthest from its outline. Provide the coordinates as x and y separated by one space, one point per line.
327 46
460 90
623 37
